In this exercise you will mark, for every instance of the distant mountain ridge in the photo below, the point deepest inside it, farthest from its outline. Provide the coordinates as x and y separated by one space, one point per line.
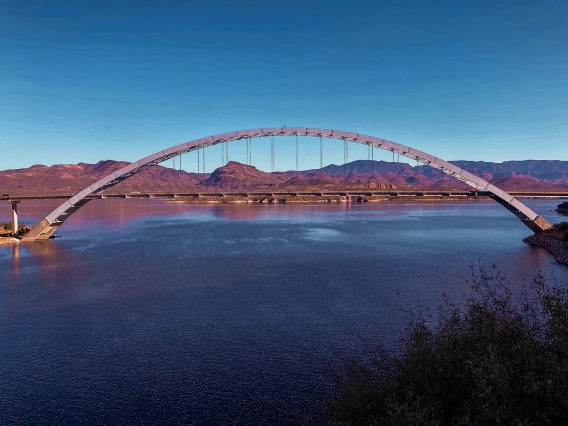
69 178
540 175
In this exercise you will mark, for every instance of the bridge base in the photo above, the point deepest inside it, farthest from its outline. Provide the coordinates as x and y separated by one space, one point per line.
14 217
45 229
42 231
538 225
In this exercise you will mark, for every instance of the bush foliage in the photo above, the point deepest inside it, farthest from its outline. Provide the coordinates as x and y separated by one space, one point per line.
6 227
494 359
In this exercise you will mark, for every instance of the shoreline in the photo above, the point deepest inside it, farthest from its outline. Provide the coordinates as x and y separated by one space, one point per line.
555 247
5 241
318 199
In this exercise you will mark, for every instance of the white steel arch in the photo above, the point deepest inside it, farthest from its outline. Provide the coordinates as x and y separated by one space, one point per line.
45 228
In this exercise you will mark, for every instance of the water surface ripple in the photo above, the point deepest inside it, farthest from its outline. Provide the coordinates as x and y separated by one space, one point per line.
154 313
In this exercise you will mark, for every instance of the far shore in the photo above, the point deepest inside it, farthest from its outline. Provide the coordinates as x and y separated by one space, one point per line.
318 199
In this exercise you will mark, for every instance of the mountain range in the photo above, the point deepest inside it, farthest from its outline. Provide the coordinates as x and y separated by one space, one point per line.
68 178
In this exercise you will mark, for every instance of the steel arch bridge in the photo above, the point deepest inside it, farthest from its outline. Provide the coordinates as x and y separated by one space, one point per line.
47 226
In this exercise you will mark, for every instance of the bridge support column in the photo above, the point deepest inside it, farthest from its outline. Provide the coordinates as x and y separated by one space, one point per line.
14 217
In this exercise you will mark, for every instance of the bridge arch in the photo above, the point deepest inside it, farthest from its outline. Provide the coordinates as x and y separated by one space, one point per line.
47 226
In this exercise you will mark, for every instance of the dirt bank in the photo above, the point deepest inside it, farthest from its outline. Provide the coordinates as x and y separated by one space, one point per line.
555 247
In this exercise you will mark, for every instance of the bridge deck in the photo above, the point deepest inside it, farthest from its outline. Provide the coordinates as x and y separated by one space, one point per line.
228 194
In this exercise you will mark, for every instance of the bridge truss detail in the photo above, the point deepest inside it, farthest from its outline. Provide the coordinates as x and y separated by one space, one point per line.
47 226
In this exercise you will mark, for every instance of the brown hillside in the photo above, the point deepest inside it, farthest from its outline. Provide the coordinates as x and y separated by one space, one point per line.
69 178
236 175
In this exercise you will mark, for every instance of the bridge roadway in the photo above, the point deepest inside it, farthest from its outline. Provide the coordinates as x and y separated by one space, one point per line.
229 194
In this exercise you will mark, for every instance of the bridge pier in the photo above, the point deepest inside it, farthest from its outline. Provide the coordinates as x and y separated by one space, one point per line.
14 217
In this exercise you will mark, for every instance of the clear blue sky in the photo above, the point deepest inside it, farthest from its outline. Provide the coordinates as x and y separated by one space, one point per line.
85 81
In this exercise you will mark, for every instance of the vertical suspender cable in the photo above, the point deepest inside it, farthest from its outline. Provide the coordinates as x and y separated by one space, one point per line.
417 167
272 153
398 158
297 153
345 157
321 154
247 141
344 172
368 156
392 169
198 170
392 165
373 158
227 151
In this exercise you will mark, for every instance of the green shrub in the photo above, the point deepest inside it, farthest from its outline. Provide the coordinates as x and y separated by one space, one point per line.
563 226
563 205
495 359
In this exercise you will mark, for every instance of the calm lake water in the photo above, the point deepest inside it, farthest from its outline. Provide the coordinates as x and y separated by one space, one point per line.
155 313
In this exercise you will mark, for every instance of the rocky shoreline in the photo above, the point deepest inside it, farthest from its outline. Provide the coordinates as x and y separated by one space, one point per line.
8 240
555 247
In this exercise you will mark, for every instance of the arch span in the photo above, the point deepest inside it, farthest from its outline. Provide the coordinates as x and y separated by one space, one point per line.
44 229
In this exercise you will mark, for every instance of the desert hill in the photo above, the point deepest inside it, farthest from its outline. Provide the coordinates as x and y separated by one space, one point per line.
235 175
68 178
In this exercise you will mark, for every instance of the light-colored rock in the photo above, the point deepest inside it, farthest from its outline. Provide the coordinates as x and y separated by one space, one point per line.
8 240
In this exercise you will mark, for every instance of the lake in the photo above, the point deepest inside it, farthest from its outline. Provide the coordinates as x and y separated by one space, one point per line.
151 312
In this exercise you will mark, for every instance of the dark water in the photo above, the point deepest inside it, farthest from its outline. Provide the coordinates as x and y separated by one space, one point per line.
154 313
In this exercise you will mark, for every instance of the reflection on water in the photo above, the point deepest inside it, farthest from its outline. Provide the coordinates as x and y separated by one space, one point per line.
46 257
117 213
147 311
16 259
